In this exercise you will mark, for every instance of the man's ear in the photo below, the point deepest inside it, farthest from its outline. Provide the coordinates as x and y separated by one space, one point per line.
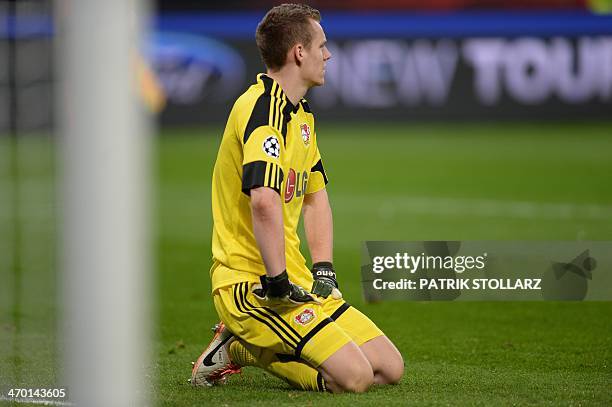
298 54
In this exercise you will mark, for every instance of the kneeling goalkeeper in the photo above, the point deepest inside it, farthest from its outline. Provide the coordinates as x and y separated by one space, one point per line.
276 313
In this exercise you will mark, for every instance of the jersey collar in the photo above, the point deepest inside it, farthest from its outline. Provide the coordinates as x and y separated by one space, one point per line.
274 89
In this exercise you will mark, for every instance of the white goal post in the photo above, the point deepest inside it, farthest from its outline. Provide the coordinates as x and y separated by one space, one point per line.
104 154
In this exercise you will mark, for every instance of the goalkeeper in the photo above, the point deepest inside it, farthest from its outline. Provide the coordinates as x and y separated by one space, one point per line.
276 313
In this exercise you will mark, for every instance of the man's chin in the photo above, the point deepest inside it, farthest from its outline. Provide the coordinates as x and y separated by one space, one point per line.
316 82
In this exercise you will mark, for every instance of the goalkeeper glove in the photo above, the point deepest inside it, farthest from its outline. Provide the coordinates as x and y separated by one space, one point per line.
325 283
280 289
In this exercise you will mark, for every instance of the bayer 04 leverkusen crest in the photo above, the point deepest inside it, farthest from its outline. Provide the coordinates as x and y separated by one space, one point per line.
305 129
305 317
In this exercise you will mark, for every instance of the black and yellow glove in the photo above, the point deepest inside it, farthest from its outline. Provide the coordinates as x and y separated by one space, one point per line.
325 283
279 289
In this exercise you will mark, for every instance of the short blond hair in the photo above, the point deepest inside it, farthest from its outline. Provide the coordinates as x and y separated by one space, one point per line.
281 28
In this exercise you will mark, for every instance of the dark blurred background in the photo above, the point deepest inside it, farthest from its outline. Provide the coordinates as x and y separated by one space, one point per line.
443 5
392 60
400 60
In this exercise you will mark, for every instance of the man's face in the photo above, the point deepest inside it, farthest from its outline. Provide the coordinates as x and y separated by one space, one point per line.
315 56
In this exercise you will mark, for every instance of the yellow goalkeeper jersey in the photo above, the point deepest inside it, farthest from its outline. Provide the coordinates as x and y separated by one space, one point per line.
267 142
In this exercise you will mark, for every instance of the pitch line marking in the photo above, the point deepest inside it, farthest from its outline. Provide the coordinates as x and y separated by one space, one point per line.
490 208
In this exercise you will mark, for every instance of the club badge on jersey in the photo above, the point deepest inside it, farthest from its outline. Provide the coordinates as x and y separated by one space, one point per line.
305 317
305 129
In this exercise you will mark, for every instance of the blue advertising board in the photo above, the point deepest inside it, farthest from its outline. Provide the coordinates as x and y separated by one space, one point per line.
395 66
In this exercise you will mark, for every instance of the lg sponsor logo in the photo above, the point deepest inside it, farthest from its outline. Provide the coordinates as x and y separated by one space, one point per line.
295 185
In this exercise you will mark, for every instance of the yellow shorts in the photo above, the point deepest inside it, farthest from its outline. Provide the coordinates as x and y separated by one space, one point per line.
311 332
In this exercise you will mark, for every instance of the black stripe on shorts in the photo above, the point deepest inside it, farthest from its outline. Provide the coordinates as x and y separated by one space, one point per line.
275 314
271 315
309 335
244 287
340 311
263 321
284 358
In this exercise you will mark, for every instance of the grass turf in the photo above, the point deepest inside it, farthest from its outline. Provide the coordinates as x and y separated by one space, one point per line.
399 182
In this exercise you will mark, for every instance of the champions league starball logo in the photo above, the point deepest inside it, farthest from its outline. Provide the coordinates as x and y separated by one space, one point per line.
271 147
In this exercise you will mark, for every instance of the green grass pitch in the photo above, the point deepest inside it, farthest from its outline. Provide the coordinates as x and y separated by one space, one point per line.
393 182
